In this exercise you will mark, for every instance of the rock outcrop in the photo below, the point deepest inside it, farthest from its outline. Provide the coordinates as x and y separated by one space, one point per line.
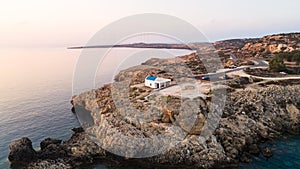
21 150
58 154
251 120
259 47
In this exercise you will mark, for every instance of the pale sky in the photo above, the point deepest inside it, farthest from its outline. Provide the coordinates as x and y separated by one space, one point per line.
62 23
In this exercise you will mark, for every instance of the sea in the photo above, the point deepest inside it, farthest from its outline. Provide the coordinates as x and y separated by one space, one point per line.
35 92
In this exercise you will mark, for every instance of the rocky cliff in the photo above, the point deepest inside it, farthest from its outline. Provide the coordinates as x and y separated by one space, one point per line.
259 47
254 114
251 117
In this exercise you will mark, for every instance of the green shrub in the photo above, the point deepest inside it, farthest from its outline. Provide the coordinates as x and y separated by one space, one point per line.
256 80
293 56
267 53
169 98
235 85
283 48
277 64
141 90
262 50
134 88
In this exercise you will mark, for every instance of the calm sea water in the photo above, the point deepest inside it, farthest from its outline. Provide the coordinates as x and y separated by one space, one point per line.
35 92
286 156
35 96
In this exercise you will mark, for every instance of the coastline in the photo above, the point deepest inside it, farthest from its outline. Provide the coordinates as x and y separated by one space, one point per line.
236 146
256 112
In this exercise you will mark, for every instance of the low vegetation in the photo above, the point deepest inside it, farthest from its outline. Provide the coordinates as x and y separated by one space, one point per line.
277 64
293 56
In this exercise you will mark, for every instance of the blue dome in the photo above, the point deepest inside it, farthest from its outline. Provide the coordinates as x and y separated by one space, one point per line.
151 78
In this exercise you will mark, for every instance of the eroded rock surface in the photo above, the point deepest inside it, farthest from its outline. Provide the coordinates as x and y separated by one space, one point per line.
251 117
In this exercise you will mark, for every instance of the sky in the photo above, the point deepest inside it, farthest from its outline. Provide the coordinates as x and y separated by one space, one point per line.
57 23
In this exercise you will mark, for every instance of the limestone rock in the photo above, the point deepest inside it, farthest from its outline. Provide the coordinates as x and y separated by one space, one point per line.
49 141
21 150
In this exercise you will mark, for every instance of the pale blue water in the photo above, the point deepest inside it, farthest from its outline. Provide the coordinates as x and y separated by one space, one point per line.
38 112
35 92
286 155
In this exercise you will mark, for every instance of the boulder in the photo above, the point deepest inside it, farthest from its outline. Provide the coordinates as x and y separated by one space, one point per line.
167 116
21 150
49 141
267 152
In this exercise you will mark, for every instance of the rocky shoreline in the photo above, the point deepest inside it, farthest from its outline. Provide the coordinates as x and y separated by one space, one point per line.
255 113
252 118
